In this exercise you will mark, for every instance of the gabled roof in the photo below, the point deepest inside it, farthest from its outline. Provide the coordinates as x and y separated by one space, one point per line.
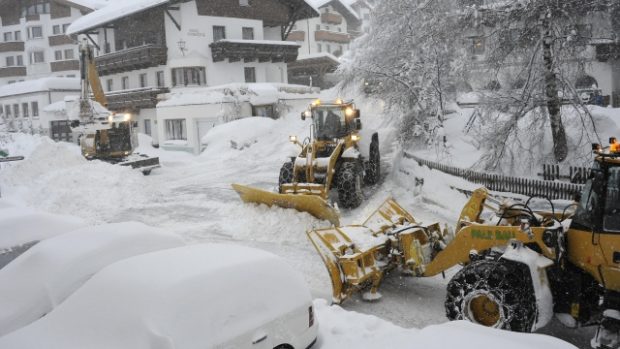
117 9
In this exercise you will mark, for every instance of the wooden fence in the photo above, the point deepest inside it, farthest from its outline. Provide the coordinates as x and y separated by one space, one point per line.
575 174
501 183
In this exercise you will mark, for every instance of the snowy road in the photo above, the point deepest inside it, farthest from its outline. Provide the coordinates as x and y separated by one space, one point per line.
191 196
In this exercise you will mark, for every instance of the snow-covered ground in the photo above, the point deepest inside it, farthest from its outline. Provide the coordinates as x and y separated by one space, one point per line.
191 196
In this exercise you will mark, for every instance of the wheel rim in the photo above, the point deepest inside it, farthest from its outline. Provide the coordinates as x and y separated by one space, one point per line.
483 308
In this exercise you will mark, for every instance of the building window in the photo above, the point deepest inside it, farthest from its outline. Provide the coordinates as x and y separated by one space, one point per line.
64 27
18 36
35 109
477 46
8 36
248 33
16 110
339 29
37 57
319 47
219 33
175 129
318 27
244 2
326 27
25 110
35 32
10 61
7 110
188 76
109 84
143 81
250 74
147 126
125 83
56 29
328 48
58 55
160 79
36 8
69 54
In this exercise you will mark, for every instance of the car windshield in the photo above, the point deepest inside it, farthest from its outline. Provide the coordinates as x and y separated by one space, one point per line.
329 122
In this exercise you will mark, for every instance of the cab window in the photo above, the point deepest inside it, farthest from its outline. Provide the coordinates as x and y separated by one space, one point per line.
611 219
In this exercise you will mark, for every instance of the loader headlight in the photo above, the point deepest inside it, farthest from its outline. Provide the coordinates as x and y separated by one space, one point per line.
307 113
127 117
355 138
316 102
338 101
111 118
293 139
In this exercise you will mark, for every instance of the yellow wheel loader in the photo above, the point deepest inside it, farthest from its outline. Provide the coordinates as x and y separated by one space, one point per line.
329 159
520 265
105 136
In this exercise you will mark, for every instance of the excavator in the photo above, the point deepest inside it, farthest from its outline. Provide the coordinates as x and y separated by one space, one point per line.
521 263
104 135
331 158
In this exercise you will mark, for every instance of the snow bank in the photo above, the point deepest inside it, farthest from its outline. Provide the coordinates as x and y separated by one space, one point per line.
56 178
190 297
339 328
45 275
20 225
238 135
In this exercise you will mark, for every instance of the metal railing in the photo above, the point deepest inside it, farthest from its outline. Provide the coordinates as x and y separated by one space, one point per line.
496 182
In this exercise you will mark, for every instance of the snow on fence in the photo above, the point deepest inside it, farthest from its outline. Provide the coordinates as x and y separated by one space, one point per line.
501 183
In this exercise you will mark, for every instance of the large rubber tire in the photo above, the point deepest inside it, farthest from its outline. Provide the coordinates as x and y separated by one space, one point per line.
286 174
373 166
349 183
493 293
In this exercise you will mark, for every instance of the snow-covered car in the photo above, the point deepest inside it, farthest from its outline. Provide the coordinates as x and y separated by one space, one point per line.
44 276
200 296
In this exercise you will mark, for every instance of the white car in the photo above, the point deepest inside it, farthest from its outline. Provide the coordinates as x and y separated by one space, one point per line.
200 296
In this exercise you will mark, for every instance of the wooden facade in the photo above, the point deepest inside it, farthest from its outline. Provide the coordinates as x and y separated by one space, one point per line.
9 72
252 51
271 12
131 59
57 40
13 46
135 99
68 65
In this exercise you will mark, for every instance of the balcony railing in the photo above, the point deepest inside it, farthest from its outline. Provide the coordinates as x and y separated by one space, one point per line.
14 46
57 40
331 18
65 65
606 52
140 98
324 35
9 72
252 50
131 59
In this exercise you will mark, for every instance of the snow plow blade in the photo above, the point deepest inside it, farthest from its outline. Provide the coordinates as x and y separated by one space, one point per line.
312 204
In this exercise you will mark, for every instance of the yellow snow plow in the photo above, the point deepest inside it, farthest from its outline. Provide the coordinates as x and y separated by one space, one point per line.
313 204
330 158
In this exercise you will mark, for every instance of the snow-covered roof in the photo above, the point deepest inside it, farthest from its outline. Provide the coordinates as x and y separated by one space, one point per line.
39 85
88 4
345 5
253 93
317 55
111 12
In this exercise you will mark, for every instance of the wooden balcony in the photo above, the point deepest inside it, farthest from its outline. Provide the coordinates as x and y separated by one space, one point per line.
134 99
132 59
57 66
10 72
297 36
324 35
14 46
253 50
57 40
606 52
331 18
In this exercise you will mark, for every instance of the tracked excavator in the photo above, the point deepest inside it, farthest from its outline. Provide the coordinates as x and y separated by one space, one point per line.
104 135
520 265
331 158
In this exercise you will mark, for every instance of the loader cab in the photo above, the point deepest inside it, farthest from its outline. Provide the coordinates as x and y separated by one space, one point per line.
335 120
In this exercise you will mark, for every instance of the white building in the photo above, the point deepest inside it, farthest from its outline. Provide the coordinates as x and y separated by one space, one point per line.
149 48
33 43
22 103
322 40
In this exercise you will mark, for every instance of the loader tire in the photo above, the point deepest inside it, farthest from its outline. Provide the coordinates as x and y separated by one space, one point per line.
286 174
350 185
493 293
373 166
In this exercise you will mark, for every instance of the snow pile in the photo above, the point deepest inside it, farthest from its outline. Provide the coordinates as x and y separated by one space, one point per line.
339 328
55 177
19 225
39 85
190 297
45 275
20 144
239 134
